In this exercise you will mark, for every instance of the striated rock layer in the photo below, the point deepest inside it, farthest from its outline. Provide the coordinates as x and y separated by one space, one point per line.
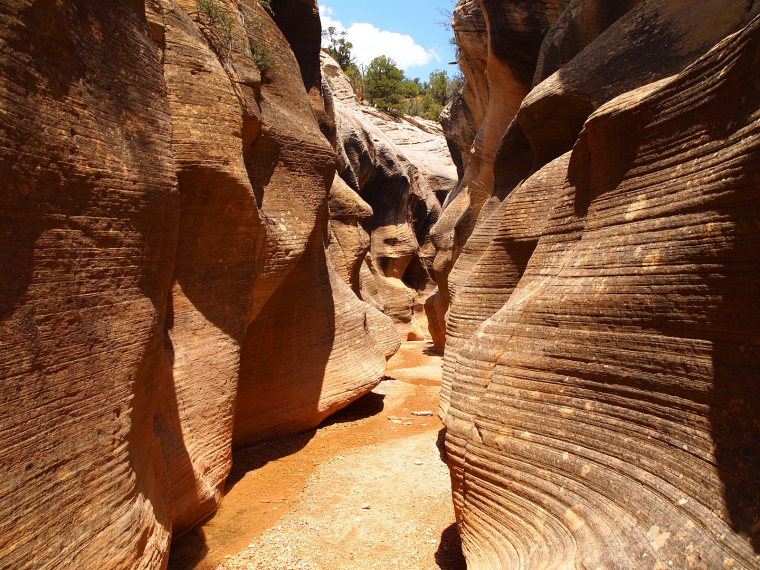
499 43
166 290
90 218
629 54
601 362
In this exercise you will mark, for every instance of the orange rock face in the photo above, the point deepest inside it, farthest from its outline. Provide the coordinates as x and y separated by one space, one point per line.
464 114
601 367
166 291
499 42
90 218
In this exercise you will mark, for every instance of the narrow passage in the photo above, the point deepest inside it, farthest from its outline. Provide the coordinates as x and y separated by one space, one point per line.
366 490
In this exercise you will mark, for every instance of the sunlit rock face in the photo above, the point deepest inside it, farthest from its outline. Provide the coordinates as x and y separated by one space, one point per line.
499 44
166 288
546 125
463 115
601 366
400 168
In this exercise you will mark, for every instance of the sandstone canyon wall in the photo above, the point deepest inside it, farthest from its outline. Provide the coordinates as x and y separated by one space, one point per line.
602 373
499 42
166 288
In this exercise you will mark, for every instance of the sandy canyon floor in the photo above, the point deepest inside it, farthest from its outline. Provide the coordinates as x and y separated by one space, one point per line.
366 490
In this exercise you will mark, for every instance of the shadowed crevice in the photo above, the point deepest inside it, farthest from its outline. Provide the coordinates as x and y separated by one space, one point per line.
449 555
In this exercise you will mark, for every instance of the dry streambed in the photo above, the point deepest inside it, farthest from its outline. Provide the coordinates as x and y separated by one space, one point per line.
366 490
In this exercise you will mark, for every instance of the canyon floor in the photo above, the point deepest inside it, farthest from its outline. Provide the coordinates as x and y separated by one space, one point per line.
368 489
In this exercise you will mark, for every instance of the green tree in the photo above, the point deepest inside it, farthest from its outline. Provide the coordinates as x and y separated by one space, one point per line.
423 106
455 84
356 78
383 85
339 47
410 87
441 87
216 24
438 86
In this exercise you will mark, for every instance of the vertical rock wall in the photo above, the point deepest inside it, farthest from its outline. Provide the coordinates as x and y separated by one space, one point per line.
166 289
499 44
601 370
90 220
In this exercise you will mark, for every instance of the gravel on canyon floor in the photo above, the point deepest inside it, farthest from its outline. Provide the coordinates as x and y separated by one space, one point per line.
367 490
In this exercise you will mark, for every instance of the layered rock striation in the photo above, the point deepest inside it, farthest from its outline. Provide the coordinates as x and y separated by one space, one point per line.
601 368
499 43
166 288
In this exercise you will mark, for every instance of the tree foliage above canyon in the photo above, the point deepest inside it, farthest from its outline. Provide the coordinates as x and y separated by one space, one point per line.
383 84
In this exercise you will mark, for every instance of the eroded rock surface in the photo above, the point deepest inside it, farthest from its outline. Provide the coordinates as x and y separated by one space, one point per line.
463 115
90 221
166 288
498 68
601 364
401 170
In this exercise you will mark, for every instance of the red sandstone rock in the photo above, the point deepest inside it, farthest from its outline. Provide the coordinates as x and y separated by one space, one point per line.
166 289
500 82
299 344
599 348
463 116
567 98
90 216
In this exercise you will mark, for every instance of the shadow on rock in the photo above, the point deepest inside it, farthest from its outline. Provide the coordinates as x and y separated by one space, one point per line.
430 350
188 549
440 443
449 555
365 407
256 456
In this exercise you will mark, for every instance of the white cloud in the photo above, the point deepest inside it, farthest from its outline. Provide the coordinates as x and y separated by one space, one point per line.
369 41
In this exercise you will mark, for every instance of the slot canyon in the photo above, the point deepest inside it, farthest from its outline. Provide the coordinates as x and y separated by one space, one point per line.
250 322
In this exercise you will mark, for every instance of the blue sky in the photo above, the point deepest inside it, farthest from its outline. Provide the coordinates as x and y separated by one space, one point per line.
406 30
